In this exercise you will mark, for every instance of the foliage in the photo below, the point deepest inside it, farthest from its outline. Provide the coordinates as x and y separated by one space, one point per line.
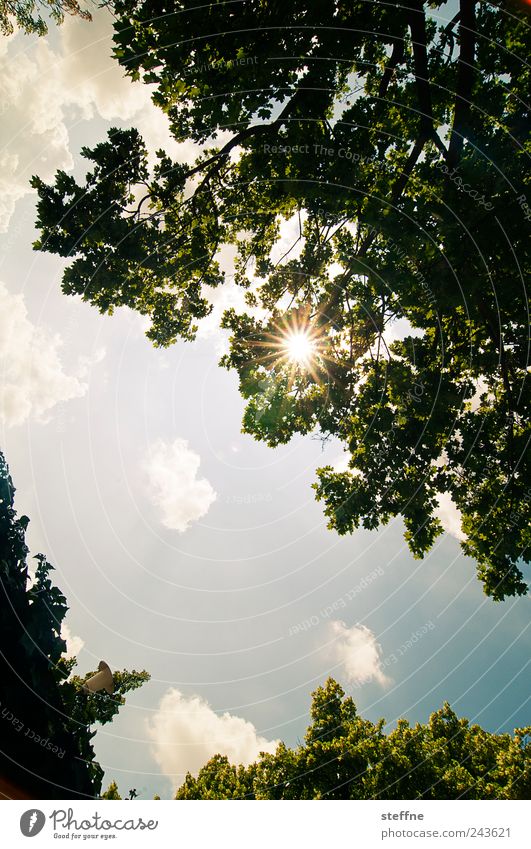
84 709
219 779
46 718
31 15
394 149
111 792
347 757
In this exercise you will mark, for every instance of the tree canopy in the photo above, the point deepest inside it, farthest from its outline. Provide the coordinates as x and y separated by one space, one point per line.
46 718
34 15
347 757
392 145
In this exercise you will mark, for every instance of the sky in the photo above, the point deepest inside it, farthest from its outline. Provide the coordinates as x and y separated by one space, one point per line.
183 546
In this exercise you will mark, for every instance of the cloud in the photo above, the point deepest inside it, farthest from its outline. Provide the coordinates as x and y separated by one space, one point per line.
32 378
449 516
355 649
481 388
222 297
94 80
34 133
73 644
290 243
340 463
46 91
174 488
185 733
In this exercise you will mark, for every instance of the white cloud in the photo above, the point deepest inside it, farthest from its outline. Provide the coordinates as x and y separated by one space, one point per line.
73 644
228 295
290 243
186 733
35 139
400 329
94 80
449 516
355 649
45 90
340 463
32 378
174 488
222 297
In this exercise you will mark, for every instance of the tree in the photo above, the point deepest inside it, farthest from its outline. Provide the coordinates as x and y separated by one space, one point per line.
46 717
394 149
219 779
347 757
111 792
31 15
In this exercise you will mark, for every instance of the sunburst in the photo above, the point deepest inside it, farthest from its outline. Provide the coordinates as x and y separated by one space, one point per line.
297 344
300 348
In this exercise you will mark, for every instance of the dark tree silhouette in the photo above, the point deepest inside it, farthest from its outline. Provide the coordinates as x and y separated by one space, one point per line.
45 717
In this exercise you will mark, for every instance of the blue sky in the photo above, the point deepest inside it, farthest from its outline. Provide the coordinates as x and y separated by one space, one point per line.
210 606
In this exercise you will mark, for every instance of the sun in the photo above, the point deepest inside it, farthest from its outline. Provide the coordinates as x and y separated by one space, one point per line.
295 345
299 347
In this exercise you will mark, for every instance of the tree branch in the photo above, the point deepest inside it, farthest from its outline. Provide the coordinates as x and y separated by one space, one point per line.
465 79
419 39
398 188
417 25
221 156
396 58
449 35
